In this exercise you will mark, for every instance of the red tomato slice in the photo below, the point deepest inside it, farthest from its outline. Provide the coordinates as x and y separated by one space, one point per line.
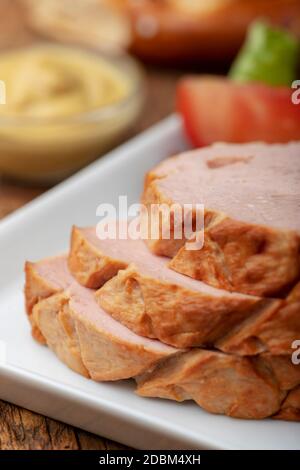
219 110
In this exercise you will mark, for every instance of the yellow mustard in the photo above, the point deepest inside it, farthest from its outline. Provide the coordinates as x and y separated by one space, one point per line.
55 81
50 125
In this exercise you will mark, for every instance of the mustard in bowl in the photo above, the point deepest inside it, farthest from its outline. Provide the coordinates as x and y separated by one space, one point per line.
64 107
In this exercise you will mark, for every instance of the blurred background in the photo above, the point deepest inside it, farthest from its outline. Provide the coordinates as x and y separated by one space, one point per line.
82 76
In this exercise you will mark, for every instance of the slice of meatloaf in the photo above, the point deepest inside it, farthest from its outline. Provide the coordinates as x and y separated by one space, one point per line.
226 384
153 300
251 218
83 335
93 344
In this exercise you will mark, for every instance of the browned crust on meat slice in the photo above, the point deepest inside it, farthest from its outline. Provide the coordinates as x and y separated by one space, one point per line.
35 290
165 244
87 265
294 295
54 319
250 388
219 383
290 409
236 256
286 373
185 318
244 258
272 331
173 314
108 359
80 344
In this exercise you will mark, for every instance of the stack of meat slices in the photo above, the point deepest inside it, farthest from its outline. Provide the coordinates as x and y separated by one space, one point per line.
216 325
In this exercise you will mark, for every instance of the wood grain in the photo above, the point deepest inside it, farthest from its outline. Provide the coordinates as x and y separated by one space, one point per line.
21 429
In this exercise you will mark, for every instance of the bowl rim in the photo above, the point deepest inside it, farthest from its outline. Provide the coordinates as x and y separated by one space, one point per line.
135 71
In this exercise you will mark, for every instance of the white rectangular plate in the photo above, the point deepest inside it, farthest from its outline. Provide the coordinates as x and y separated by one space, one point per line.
31 376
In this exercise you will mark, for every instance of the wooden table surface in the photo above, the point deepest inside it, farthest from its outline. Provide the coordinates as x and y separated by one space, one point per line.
20 428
